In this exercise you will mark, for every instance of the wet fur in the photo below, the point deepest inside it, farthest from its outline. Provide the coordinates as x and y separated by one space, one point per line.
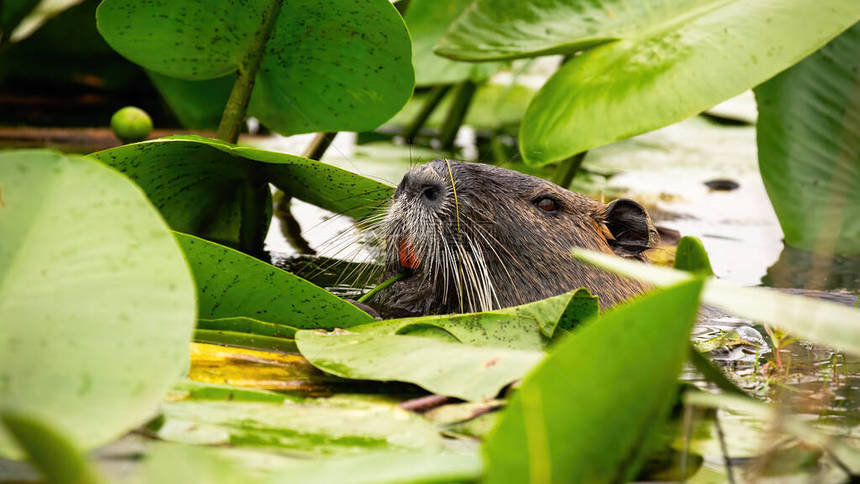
507 251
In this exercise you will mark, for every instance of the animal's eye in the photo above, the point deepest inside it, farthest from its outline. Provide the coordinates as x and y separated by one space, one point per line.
547 204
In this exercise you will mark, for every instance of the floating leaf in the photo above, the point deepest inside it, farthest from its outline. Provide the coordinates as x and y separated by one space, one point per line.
390 468
309 427
645 65
51 453
232 284
199 183
817 320
427 21
809 148
527 327
454 369
97 305
329 65
572 420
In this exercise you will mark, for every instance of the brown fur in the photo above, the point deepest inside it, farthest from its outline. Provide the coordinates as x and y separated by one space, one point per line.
526 249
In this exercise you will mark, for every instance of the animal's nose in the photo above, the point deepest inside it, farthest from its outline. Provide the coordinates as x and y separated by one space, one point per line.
421 185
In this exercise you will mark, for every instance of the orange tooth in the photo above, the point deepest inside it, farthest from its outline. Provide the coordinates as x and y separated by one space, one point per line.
408 258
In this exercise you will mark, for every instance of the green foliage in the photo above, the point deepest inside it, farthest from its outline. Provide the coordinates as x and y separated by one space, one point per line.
690 256
306 427
52 454
328 65
97 303
427 21
473 355
817 320
196 104
573 420
200 185
231 284
454 369
809 148
646 65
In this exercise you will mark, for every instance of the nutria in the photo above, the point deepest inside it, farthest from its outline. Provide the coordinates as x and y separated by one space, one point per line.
496 238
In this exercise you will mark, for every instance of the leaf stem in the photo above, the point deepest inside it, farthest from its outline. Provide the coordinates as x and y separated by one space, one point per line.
567 169
237 104
463 95
381 286
436 96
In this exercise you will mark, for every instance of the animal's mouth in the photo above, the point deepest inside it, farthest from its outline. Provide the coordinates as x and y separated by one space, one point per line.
408 257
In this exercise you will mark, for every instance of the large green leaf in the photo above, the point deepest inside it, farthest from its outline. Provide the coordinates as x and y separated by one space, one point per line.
817 320
470 356
329 65
199 183
809 147
454 369
646 64
530 326
96 300
586 412
309 427
170 463
231 284
427 21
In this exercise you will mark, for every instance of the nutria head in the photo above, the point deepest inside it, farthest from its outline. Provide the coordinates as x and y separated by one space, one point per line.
496 238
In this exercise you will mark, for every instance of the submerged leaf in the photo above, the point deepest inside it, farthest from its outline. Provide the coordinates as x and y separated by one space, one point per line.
96 301
571 420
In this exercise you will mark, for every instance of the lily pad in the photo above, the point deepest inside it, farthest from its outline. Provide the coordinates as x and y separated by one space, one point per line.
453 369
199 183
572 420
310 427
809 148
530 326
328 65
231 284
97 305
645 65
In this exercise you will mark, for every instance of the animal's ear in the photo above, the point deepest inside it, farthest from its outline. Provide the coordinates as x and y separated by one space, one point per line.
632 232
